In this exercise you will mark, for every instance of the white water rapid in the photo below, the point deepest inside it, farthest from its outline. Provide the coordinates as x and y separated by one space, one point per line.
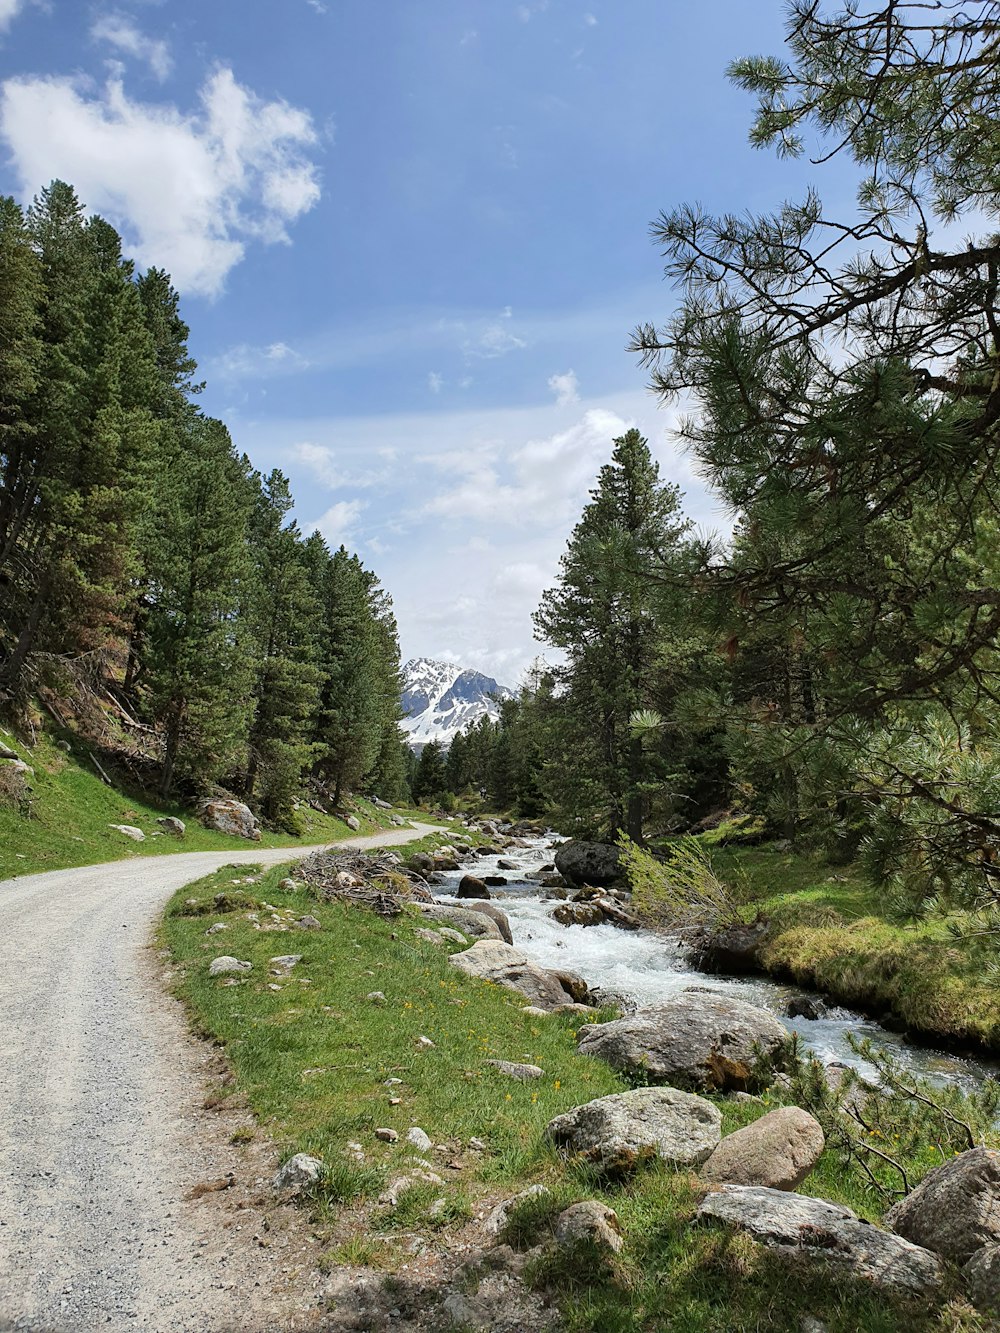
650 967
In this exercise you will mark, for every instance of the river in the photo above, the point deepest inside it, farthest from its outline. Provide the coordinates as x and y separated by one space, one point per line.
650 967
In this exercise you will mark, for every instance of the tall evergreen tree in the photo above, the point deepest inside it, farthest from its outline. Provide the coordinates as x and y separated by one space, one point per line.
286 615
200 658
601 616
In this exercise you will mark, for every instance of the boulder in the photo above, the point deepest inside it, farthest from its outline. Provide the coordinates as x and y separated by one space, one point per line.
955 1210
495 914
805 1006
695 1039
523 1073
778 1150
421 863
507 865
470 887
814 1230
176 827
419 1139
353 823
494 881
298 1172
130 831
733 949
588 862
617 1133
578 914
982 1278
307 923
226 963
477 925
491 960
227 815
573 984
590 1221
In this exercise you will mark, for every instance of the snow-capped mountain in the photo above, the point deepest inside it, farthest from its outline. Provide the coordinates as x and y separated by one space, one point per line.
440 699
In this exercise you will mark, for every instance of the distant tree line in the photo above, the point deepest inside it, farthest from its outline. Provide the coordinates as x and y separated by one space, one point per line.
134 535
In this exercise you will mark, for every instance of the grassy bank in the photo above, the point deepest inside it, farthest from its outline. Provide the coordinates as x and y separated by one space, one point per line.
829 932
315 1054
72 809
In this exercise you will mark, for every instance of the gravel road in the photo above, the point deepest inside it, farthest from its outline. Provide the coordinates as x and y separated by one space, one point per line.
101 1133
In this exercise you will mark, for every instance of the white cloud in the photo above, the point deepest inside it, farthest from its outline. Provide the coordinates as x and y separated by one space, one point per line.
470 509
435 382
9 10
544 481
188 190
565 387
590 20
339 523
121 33
494 341
318 460
317 5
246 362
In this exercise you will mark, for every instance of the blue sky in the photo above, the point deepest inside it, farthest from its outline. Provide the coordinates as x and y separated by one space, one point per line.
411 238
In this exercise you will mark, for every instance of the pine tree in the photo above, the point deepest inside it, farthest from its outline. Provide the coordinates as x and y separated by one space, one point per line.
286 616
350 730
429 781
21 296
601 617
200 658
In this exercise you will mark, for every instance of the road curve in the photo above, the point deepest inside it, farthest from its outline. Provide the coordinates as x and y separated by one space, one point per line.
98 1140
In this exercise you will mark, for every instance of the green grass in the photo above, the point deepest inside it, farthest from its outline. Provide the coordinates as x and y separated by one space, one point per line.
312 1060
72 808
830 933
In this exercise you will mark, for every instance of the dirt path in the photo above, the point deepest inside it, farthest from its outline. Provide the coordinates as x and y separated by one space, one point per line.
101 1131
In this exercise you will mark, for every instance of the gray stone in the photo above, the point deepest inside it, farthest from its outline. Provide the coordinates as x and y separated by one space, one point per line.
955 1210
130 831
590 1221
226 815
578 914
524 1073
588 862
420 1140
500 1215
695 1039
307 923
470 887
495 914
386 1135
477 925
619 1132
778 1150
284 962
508 865
172 825
352 823
824 1233
982 1278
299 1172
492 960
226 963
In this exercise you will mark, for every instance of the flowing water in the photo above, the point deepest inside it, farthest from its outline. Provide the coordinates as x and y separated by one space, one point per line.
650 967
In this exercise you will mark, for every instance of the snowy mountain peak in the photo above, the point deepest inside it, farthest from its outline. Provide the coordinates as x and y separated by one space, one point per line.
441 699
